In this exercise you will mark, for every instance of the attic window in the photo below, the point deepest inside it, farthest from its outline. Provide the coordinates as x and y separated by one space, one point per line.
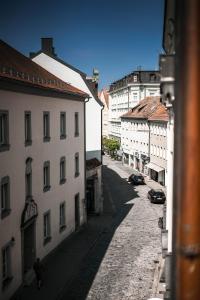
152 77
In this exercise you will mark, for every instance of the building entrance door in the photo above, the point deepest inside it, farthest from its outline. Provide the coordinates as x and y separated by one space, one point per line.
77 212
29 247
90 194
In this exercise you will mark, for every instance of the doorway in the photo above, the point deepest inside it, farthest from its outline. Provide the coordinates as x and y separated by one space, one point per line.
28 247
90 194
77 211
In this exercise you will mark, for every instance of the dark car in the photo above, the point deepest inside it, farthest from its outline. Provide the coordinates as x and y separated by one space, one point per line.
156 196
136 179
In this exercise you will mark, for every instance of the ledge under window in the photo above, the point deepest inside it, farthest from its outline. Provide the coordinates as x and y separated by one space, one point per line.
76 134
77 174
46 188
6 282
62 228
28 143
46 139
47 240
62 181
5 213
63 136
4 147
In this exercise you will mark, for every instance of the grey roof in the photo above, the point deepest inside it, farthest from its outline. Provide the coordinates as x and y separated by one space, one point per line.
144 77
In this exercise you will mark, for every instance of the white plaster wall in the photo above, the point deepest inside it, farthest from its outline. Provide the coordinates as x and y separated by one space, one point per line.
158 138
93 109
12 164
135 136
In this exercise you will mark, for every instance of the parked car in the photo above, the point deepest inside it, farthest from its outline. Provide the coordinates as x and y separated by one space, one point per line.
136 179
156 196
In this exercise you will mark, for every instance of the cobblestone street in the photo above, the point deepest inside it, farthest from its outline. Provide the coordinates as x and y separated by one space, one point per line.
121 264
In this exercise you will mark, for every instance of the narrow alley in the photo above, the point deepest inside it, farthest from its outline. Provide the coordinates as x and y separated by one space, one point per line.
121 264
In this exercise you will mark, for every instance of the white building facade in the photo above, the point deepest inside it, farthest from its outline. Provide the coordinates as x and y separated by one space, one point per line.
135 134
158 145
126 93
49 61
42 160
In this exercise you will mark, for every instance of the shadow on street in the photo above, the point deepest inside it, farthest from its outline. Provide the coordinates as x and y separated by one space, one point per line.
117 194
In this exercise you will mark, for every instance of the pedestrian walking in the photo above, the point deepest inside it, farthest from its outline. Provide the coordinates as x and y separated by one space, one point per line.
38 268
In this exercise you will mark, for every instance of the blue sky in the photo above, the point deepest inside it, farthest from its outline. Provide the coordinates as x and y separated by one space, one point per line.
113 36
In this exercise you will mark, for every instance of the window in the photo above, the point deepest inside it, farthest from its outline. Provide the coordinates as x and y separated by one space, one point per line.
135 78
62 125
27 121
46 176
157 151
62 224
6 265
47 227
76 124
76 165
4 131
62 170
152 77
46 126
5 197
161 152
28 178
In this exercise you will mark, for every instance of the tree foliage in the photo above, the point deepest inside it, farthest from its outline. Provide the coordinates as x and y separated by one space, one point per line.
111 145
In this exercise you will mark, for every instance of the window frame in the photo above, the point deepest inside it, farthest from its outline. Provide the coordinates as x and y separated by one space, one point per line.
47 227
62 216
46 176
77 171
63 134
4 130
27 128
46 126
6 211
62 171
76 124
8 277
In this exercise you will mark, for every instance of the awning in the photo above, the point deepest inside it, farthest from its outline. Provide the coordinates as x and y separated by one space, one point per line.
154 167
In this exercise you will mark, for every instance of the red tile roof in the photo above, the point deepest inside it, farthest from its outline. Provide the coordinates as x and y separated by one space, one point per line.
144 109
161 114
15 66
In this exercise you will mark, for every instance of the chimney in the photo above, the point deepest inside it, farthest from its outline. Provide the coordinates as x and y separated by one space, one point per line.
47 46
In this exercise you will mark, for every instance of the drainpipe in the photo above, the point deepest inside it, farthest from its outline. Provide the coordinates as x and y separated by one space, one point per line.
186 230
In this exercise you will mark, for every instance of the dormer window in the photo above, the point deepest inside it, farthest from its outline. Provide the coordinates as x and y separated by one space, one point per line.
152 77
135 78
